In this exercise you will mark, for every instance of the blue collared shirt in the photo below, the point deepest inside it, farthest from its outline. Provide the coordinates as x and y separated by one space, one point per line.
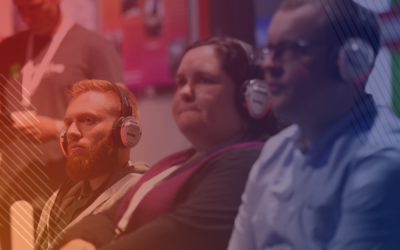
341 193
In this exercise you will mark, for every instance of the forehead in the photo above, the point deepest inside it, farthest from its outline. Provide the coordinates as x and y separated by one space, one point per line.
89 102
303 22
202 58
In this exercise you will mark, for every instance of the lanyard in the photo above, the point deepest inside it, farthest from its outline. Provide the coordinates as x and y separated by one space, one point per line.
103 197
31 76
138 197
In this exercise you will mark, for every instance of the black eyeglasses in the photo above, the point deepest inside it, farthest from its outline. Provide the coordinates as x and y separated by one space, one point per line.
288 50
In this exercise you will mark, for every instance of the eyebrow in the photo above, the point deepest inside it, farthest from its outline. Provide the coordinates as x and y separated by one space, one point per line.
197 73
67 119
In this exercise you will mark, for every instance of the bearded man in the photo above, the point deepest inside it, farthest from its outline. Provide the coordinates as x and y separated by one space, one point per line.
98 164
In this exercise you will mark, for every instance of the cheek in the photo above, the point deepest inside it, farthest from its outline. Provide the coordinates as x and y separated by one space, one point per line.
210 100
93 135
206 99
219 106
300 71
299 80
175 104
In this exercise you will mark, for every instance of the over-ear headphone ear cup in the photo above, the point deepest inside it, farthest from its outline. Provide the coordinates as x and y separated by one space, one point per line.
355 60
130 131
127 131
64 141
257 98
116 132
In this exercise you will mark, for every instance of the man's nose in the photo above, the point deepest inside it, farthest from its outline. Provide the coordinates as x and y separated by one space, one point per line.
272 66
73 132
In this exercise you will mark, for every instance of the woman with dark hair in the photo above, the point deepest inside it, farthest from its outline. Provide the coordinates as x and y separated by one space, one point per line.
189 199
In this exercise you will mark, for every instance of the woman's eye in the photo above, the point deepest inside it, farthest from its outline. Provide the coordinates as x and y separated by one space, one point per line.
204 80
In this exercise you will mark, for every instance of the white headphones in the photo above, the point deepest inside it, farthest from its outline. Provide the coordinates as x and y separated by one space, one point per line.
254 91
355 60
356 56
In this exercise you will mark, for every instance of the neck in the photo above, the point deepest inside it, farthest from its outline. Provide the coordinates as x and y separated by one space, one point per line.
97 182
58 20
121 159
317 123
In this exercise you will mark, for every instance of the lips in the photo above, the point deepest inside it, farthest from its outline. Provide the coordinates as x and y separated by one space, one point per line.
188 109
75 147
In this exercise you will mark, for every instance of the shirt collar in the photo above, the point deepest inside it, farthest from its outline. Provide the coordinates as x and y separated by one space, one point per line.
86 190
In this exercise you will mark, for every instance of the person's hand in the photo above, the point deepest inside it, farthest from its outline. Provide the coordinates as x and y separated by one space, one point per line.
35 127
78 245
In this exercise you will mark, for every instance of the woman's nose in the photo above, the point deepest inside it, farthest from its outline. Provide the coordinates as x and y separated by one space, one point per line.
187 92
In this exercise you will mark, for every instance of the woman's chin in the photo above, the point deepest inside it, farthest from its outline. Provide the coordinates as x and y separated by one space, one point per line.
190 129
189 122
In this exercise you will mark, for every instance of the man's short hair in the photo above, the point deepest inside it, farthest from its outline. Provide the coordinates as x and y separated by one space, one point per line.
103 86
345 19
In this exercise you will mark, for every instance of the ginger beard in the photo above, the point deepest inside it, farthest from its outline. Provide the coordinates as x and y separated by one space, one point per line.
100 161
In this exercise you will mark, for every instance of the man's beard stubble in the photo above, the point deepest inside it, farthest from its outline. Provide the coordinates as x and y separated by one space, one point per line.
100 161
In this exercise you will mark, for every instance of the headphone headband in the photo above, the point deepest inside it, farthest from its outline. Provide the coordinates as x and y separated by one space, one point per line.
253 94
126 107
359 35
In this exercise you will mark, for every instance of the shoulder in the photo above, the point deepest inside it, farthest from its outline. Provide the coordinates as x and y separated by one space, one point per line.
276 144
234 162
382 137
118 193
133 171
12 51
381 166
386 127
46 212
275 150
238 155
92 39
12 41
373 184
50 201
141 167
284 137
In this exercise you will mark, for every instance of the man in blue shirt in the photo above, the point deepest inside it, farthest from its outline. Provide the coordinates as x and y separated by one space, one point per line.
332 180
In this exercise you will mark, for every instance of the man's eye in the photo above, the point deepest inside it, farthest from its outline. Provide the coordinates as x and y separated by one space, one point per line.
88 119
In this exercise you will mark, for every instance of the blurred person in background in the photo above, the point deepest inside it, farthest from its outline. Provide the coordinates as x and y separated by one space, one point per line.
37 67
189 199
332 180
153 14
98 165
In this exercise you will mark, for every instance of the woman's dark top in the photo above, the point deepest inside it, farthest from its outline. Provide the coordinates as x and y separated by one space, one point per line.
203 220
